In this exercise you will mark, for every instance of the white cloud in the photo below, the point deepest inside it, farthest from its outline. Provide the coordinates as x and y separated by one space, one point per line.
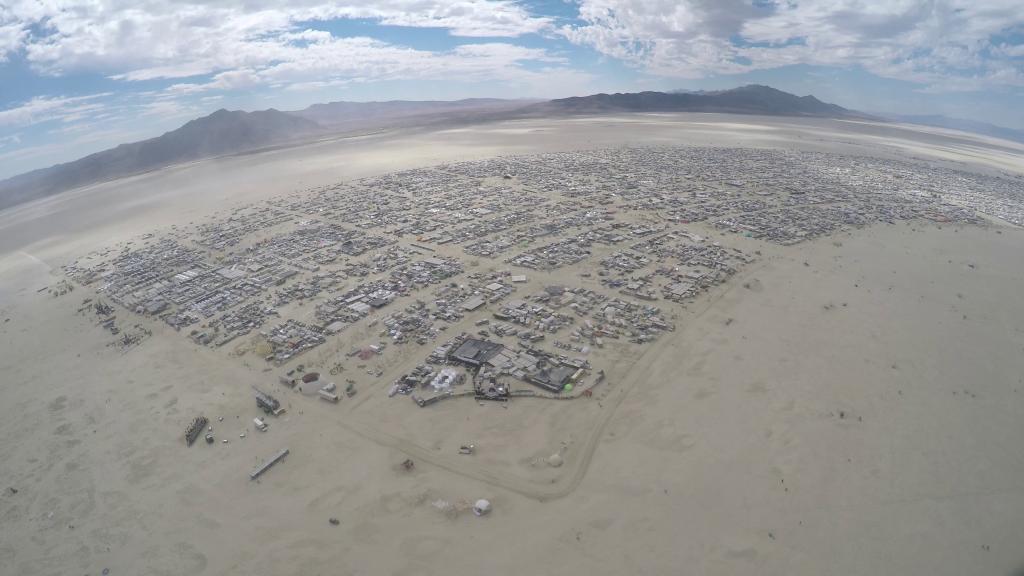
471 18
940 43
328 61
11 38
1009 50
12 139
167 109
317 85
145 39
42 109
236 45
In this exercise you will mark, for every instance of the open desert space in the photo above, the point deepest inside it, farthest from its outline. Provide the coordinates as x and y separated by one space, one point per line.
840 393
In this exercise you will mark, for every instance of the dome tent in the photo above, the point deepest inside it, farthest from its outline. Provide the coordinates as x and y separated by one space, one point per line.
481 507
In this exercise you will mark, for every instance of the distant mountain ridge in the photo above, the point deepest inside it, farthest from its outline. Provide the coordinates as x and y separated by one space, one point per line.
341 113
751 99
227 132
223 132
232 132
983 128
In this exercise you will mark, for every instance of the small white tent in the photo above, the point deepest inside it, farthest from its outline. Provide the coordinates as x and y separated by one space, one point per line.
481 507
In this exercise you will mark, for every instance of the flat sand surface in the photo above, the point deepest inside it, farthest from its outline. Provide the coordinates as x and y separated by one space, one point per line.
849 405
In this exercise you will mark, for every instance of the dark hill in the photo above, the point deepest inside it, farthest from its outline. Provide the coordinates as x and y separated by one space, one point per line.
753 99
223 132
231 132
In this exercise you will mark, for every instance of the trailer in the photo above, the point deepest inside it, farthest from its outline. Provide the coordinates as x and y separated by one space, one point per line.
268 403
268 464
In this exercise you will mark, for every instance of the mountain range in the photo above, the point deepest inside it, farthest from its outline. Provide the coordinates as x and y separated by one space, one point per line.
223 132
983 128
227 132
752 99
346 114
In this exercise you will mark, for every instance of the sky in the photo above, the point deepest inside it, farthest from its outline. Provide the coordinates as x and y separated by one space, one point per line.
79 76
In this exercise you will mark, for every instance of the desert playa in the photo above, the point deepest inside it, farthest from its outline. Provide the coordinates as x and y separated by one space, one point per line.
838 394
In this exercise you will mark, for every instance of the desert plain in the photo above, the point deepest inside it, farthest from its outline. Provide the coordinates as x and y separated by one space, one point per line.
851 403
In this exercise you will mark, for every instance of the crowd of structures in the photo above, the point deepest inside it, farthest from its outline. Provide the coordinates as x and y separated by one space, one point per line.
536 261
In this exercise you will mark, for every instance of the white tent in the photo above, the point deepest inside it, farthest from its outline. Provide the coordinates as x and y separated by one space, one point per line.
481 507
